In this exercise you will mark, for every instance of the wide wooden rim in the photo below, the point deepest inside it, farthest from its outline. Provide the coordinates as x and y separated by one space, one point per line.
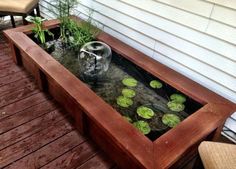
164 151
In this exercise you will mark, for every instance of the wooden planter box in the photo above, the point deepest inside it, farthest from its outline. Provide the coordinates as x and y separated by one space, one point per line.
124 144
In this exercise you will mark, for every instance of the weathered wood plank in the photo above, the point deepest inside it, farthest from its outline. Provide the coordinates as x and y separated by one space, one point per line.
13 77
5 64
35 142
99 161
26 115
10 70
4 57
74 158
9 88
4 61
49 152
22 104
17 134
18 95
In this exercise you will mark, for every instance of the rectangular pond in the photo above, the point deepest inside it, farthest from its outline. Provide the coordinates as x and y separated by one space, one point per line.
135 92
147 93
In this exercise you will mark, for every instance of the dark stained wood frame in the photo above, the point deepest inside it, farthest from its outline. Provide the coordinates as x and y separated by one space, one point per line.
124 144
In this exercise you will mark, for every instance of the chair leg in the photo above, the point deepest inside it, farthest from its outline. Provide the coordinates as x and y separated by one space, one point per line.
198 163
23 19
38 10
13 21
32 13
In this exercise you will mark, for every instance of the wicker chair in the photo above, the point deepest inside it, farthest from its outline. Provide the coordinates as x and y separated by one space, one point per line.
18 8
218 155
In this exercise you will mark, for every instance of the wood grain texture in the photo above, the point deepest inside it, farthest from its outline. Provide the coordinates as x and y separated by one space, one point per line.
49 152
14 77
25 130
36 141
22 105
26 115
97 162
75 157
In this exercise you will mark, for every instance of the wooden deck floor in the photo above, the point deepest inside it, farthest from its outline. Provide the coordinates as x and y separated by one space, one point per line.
35 132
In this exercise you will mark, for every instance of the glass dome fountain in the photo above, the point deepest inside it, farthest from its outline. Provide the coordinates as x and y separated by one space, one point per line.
94 59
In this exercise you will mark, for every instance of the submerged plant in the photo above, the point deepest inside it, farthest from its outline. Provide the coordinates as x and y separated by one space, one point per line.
179 98
128 119
142 126
155 84
130 82
128 93
170 120
145 112
38 30
175 106
124 101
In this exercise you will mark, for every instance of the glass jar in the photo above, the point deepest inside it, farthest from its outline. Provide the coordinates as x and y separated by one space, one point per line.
94 59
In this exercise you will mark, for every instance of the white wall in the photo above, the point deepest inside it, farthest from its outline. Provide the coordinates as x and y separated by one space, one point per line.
194 37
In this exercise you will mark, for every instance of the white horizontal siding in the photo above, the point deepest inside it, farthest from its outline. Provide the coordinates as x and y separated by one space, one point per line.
190 36
224 15
224 3
192 7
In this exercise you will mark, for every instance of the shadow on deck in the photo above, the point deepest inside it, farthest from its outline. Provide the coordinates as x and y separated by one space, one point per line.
35 132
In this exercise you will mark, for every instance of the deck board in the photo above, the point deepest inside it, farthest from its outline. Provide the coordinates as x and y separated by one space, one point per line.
35 132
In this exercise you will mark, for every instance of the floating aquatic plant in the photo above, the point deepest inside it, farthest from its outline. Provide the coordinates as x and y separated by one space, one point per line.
128 93
142 126
145 112
130 82
128 119
155 84
179 98
124 101
175 106
170 120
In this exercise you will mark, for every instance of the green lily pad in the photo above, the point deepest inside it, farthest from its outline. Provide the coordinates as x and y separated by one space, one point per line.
145 112
175 106
128 119
142 126
179 98
124 101
170 120
130 82
155 84
128 93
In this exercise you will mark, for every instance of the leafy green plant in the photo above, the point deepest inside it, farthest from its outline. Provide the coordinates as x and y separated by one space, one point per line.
145 112
124 101
38 30
80 33
62 9
73 33
128 93
142 126
175 106
170 120
179 98
130 82
155 84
